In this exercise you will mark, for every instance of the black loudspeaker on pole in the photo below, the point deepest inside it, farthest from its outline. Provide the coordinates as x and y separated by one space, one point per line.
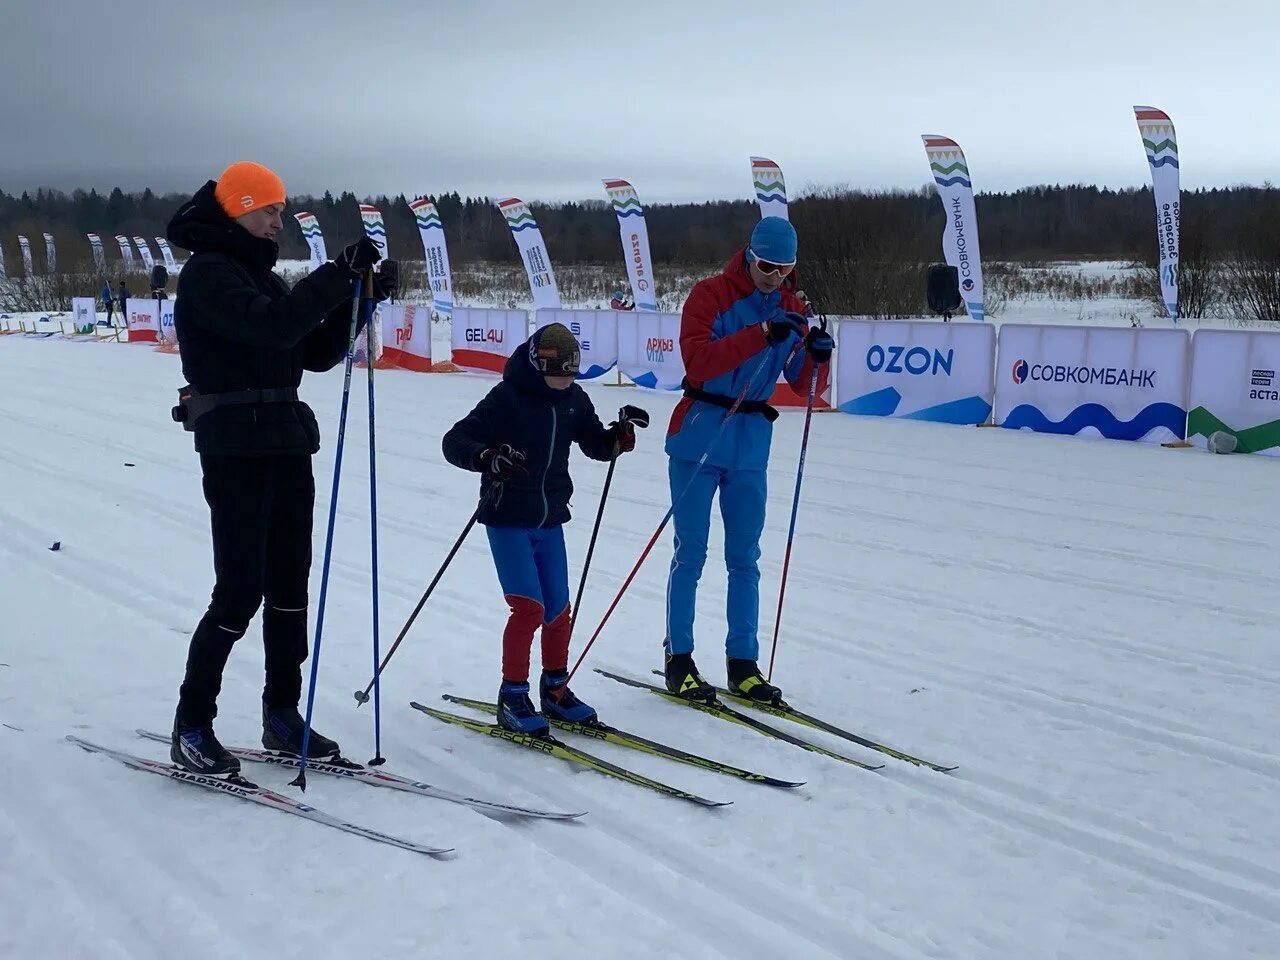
944 290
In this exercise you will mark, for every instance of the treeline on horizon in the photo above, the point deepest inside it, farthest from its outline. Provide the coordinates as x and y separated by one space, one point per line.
1030 225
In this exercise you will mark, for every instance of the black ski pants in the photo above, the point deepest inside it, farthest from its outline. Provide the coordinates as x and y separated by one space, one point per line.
261 510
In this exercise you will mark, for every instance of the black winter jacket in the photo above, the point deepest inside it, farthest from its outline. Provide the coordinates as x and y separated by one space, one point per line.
542 423
240 327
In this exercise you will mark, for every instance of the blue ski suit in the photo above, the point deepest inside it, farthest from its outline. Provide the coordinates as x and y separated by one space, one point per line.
727 352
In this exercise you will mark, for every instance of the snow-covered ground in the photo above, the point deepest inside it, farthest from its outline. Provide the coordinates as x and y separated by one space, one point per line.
1085 627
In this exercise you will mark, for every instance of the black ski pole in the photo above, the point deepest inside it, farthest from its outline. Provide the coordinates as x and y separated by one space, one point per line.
627 414
362 696
378 759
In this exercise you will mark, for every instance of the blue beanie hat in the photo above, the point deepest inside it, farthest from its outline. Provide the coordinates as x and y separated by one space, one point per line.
774 240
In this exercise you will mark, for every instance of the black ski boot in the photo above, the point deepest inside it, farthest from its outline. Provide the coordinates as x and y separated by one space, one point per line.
282 729
746 681
684 680
197 750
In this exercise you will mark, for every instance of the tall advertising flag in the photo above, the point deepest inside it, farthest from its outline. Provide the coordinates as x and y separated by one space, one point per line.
315 239
635 242
126 253
771 189
99 255
533 251
1161 144
437 254
960 235
166 251
51 254
144 250
374 228
25 244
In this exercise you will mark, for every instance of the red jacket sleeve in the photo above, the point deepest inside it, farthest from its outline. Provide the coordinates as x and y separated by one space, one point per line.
704 358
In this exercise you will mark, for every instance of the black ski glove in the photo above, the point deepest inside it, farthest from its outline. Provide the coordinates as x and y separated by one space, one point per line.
779 329
359 256
502 463
623 430
386 282
819 344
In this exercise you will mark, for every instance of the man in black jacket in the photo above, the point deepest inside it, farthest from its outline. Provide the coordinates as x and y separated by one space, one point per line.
245 339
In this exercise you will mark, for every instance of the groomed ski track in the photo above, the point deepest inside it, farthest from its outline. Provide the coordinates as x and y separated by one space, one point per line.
1084 627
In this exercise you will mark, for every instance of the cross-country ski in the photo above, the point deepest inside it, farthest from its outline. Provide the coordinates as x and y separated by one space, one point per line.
247 790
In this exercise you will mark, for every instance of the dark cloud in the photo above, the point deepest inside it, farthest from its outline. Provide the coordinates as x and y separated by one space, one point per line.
542 100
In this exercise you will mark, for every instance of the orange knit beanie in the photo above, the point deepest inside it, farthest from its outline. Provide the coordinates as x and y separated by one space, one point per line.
247 186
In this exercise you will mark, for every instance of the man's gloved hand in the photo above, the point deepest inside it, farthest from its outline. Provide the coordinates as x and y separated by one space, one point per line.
502 463
819 343
359 256
386 282
780 328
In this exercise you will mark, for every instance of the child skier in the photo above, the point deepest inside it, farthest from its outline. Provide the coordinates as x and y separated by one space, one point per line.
518 439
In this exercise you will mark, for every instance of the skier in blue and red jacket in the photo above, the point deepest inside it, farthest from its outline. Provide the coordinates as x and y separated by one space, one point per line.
518 438
739 332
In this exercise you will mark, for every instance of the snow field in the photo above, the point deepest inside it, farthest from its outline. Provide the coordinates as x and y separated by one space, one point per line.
1083 626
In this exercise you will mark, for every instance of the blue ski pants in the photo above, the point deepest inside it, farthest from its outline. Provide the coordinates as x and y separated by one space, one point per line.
742 505
534 572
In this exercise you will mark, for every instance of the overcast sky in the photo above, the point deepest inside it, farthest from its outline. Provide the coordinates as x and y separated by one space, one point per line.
542 99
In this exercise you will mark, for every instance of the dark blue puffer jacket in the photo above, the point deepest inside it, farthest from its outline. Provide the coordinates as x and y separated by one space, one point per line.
540 422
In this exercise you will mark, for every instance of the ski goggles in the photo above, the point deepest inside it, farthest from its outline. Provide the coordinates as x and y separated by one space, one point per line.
551 362
768 267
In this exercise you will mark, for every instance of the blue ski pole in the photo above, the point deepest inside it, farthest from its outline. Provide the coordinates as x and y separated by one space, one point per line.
301 780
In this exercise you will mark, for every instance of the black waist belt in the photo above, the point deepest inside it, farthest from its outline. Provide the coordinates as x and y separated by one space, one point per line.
192 405
717 400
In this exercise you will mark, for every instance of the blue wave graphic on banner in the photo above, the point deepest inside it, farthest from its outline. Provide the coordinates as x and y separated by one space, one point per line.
593 371
1164 162
881 403
885 403
1167 415
424 227
952 181
631 213
778 197
647 380
375 232
524 226
966 410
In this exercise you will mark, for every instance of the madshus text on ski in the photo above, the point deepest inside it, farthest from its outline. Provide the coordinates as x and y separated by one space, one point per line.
246 339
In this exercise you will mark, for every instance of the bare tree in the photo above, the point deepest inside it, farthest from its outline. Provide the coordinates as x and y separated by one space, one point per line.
1252 272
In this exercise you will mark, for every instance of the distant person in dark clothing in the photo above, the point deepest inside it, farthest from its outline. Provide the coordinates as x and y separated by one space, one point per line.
108 302
245 340
123 298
